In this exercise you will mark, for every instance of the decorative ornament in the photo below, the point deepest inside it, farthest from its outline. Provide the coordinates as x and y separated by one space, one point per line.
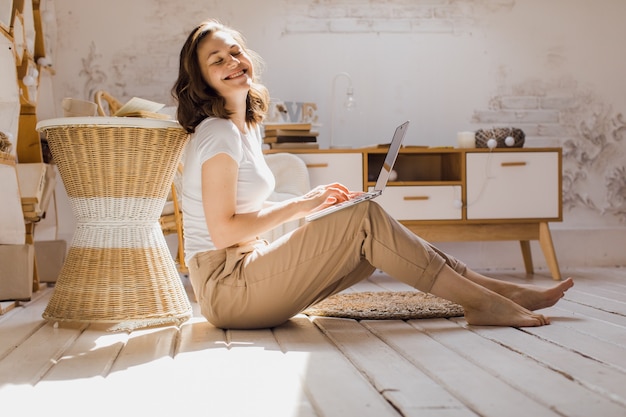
29 81
511 137
44 62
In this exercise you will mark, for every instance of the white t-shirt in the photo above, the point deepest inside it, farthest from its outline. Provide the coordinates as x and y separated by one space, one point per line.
255 182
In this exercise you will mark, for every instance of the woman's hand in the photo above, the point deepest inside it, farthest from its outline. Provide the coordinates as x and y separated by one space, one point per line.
326 195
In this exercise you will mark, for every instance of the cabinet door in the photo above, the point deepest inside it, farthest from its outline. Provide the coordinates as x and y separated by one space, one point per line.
513 185
326 168
422 202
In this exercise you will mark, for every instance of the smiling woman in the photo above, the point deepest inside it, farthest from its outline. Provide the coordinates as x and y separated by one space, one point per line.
223 63
225 66
241 281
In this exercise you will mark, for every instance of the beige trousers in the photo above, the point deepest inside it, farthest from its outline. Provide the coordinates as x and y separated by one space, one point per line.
263 285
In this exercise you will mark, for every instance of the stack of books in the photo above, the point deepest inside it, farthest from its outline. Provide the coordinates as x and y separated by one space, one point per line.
290 136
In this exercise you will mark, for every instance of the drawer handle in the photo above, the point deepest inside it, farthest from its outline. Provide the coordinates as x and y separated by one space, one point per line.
513 164
416 198
317 165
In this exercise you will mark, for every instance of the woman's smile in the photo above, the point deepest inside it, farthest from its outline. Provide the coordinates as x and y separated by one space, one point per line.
235 75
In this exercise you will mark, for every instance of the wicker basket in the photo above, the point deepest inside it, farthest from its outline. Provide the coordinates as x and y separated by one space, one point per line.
113 104
501 135
117 175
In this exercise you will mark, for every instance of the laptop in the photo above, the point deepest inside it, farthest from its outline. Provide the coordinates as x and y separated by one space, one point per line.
381 182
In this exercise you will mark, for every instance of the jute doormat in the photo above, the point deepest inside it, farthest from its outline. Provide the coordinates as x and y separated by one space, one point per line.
392 305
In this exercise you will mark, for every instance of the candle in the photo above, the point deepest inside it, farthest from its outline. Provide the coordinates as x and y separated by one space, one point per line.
466 139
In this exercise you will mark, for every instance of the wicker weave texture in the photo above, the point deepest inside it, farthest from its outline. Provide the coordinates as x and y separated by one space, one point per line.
116 285
500 135
118 235
113 104
116 161
118 268
108 209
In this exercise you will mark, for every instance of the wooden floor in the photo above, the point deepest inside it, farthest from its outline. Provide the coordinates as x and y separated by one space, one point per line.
328 367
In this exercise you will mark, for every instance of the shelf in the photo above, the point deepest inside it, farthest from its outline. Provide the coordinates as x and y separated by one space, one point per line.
23 40
420 167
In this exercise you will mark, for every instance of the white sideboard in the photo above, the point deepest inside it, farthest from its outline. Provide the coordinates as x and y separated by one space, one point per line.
449 194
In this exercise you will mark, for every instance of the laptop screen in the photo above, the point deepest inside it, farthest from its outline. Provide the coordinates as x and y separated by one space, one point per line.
390 158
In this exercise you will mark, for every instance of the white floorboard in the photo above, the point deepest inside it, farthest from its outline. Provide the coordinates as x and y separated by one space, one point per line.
327 366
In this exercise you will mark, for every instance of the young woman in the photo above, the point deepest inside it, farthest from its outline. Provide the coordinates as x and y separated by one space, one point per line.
243 282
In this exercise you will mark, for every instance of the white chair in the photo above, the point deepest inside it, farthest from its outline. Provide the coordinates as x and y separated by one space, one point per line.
292 180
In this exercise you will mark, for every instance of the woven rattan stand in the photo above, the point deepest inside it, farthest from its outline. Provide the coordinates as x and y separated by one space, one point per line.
117 172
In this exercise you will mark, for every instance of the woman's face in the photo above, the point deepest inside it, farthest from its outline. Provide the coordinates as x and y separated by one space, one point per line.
224 64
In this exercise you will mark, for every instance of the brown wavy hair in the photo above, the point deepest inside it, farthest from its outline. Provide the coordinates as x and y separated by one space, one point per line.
196 99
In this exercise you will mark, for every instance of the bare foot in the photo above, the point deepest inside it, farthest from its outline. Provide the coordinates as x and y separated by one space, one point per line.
534 297
494 307
504 312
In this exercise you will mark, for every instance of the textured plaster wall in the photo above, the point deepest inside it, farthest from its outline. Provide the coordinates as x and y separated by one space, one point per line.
553 68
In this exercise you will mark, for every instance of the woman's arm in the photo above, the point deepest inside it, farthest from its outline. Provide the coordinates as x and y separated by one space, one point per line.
219 198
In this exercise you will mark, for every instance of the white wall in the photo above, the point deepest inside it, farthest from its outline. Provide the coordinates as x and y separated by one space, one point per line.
553 68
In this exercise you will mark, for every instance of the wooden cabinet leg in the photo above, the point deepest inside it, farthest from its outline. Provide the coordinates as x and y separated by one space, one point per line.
528 257
545 240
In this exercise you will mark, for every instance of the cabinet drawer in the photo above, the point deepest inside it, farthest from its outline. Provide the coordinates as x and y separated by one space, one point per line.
422 202
326 168
516 185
